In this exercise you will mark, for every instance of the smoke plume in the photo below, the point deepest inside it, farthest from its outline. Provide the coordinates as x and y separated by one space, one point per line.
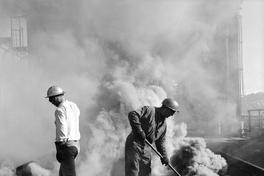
110 57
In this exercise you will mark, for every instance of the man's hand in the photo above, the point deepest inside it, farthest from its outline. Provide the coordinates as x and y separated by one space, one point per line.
141 136
59 156
59 153
165 161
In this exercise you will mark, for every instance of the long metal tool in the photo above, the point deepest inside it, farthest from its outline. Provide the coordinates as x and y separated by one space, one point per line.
161 157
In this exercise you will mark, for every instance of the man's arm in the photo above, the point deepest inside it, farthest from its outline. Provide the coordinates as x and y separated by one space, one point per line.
61 125
135 124
134 119
161 147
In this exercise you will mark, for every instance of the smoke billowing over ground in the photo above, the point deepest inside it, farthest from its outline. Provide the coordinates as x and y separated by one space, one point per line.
110 57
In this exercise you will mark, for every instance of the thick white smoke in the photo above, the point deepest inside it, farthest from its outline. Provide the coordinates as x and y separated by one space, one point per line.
110 57
7 168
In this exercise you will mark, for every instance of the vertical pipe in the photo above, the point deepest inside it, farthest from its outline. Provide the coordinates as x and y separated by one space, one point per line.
19 32
242 128
249 122
27 45
227 65
22 37
259 119
241 58
262 119
240 63
12 37
11 21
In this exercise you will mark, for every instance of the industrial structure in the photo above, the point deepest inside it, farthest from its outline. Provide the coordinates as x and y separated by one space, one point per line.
224 64
228 57
16 45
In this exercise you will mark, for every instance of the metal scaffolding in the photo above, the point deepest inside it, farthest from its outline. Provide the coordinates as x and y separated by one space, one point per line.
16 44
240 64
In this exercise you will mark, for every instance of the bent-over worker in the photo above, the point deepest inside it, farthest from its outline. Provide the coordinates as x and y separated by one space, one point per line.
148 123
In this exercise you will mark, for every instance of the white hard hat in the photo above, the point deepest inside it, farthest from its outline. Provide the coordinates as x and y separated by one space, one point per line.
54 91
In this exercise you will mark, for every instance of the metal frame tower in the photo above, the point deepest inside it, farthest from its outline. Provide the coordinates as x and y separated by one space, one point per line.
17 44
240 64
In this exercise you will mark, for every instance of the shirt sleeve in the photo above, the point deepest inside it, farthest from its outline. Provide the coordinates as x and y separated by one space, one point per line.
134 119
161 144
61 124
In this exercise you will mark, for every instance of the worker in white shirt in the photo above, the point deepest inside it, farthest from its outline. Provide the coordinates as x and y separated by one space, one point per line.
67 130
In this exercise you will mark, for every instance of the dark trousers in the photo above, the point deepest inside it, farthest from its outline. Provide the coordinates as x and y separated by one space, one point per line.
137 158
66 156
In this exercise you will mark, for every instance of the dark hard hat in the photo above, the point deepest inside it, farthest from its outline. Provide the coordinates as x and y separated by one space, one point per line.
171 104
54 91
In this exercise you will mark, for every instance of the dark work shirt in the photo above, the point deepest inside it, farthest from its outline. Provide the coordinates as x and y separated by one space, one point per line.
149 119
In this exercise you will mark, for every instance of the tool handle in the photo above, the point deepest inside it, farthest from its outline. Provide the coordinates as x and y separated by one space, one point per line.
158 153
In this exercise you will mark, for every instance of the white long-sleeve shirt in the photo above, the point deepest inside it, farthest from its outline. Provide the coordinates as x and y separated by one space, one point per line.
67 121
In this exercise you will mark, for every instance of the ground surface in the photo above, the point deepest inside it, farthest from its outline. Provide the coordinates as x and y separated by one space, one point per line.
248 149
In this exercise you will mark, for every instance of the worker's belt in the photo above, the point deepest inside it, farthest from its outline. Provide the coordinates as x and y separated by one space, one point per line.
66 141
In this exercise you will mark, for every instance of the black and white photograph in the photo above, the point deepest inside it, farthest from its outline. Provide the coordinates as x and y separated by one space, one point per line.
131 87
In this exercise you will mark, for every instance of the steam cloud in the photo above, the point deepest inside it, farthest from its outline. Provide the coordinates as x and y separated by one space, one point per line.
110 57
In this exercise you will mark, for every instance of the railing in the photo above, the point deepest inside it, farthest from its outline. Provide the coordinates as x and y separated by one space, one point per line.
254 121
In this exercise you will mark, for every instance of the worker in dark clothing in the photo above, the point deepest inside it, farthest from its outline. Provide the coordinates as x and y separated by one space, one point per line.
147 123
